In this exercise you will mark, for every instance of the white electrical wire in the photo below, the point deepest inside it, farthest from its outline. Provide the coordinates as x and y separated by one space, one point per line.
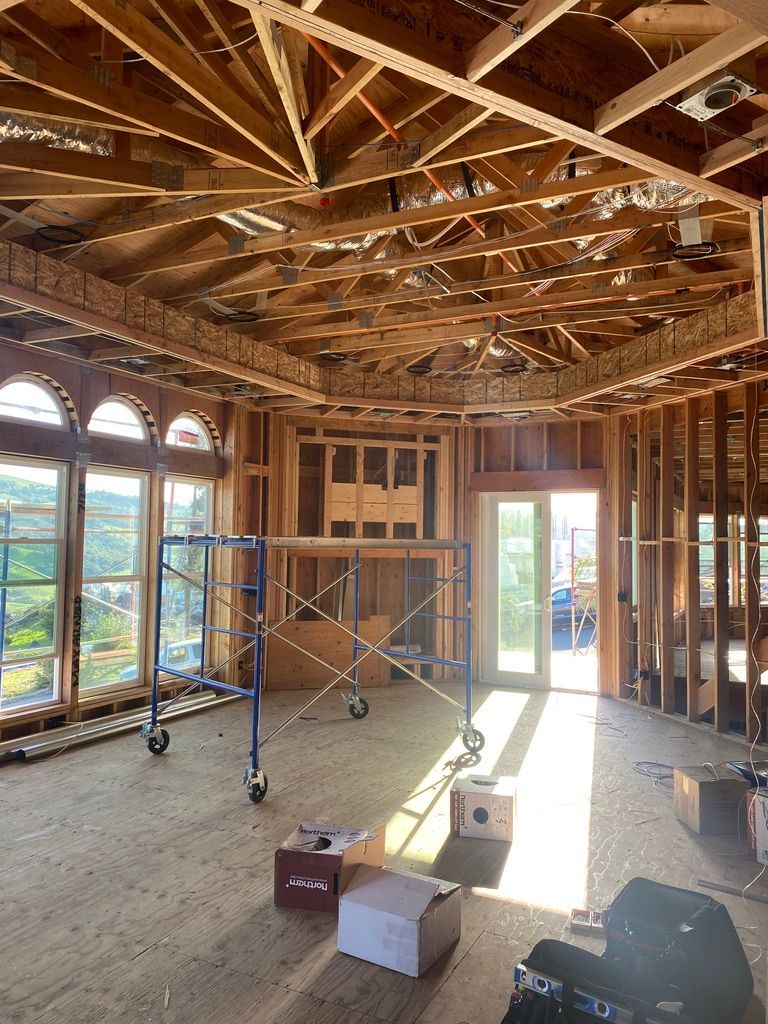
193 53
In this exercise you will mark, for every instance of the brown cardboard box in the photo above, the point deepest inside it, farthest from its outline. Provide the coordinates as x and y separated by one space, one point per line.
757 824
483 806
708 805
316 862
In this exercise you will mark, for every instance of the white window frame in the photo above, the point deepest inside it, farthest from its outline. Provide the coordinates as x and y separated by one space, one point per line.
30 378
61 550
134 409
142 578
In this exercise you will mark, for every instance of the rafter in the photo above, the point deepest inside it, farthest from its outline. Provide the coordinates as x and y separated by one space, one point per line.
141 35
271 39
512 90
530 19
340 94
677 76
560 301
34 66
534 238
405 218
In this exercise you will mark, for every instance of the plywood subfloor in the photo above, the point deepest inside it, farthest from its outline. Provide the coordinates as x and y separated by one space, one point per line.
130 880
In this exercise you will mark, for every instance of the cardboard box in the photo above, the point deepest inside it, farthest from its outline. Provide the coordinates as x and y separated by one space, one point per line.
483 806
399 920
316 862
757 824
708 805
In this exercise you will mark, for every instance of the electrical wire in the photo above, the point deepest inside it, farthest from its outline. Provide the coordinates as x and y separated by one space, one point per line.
589 14
192 53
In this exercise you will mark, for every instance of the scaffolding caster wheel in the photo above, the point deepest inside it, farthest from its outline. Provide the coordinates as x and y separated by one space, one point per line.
255 781
473 740
157 739
358 707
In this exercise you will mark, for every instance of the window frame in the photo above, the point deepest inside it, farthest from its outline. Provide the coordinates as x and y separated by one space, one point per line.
142 578
210 482
121 400
210 450
60 544
30 378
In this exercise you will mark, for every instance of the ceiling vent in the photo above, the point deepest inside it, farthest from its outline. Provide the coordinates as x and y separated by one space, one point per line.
712 95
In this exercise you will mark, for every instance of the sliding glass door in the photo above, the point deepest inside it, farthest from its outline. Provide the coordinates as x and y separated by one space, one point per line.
517 608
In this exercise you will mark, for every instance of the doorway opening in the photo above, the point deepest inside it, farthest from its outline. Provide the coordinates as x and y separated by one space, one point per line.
540 593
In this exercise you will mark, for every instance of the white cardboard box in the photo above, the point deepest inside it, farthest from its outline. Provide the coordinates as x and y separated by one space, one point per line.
398 920
483 806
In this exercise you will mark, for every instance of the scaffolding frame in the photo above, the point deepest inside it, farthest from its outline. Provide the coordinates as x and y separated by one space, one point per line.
258 629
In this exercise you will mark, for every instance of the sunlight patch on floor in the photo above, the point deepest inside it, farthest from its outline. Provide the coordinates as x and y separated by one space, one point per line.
549 857
421 826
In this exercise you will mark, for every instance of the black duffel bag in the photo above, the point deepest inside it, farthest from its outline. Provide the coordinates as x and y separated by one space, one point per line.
675 937
565 984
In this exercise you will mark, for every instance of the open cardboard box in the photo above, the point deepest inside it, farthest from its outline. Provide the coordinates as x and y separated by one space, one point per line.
316 862
399 920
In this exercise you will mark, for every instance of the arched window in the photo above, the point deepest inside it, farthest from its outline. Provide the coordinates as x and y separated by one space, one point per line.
22 398
116 417
188 431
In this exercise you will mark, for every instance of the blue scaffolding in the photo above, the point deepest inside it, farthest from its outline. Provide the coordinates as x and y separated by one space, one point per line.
257 629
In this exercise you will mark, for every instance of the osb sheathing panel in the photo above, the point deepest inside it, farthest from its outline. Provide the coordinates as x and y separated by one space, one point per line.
379 385
36 272
23 269
60 281
475 391
104 298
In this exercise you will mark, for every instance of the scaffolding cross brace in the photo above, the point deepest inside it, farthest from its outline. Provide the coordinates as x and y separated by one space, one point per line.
257 629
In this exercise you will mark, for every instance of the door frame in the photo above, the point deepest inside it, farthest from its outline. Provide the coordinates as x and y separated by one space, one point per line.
489 518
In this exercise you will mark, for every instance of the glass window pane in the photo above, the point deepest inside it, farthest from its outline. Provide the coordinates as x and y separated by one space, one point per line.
25 400
28 562
29 497
28 683
27 621
520 582
109 638
113 514
188 508
188 432
118 419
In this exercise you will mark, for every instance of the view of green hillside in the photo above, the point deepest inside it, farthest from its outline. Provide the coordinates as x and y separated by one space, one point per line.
111 608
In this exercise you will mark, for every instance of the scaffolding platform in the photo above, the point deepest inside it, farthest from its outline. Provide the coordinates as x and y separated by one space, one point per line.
256 628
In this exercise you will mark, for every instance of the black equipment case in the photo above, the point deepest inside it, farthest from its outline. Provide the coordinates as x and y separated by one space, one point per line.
664 946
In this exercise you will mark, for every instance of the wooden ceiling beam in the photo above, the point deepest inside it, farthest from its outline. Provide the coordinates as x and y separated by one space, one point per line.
390 221
21 99
685 71
580 269
340 94
142 36
35 67
534 238
736 151
242 64
449 132
538 318
191 36
530 19
272 45
565 110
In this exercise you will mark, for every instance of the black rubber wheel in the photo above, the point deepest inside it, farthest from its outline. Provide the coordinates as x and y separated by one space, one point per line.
257 793
359 712
158 748
474 742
